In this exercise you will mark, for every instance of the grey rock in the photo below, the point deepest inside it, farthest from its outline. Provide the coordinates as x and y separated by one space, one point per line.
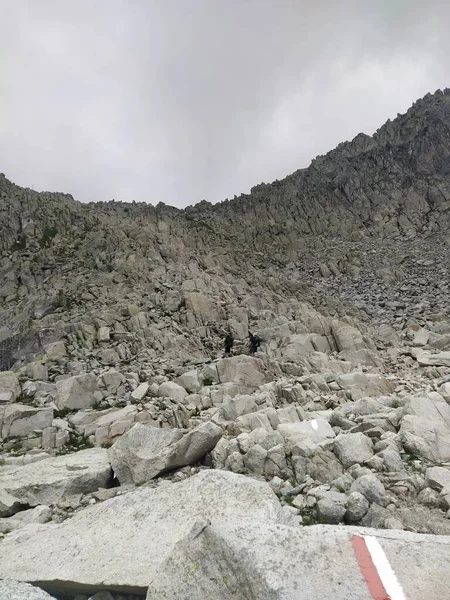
140 392
50 480
255 459
425 429
17 420
245 371
437 478
112 380
431 498
442 359
392 460
40 514
360 385
376 517
145 452
170 389
323 466
189 381
9 504
357 507
235 462
352 448
9 387
77 392
331 508
370 487
275 464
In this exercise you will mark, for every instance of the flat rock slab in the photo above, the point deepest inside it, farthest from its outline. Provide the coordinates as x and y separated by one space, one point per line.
49 480
276 562
121 543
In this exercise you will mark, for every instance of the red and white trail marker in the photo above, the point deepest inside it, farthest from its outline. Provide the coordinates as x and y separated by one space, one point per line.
376 570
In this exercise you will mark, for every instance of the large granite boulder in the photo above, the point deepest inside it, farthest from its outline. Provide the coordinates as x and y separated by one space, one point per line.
123 542
145 452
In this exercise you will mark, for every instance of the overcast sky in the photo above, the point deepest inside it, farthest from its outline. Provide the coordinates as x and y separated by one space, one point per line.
183 100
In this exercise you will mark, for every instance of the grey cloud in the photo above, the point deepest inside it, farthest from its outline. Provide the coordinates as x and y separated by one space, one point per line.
178 101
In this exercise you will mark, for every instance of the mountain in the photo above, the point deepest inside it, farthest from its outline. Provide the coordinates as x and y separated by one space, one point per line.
111 324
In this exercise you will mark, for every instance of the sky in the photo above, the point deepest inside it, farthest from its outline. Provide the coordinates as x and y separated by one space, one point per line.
177 101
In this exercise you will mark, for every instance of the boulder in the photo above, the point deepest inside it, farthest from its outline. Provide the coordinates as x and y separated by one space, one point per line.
37 371
245 371
9 504
123 542
392 460
104 425
353 448
370 487
331 508
140 392
77 393
51 479
323 466
145 452
17 420
9 387
437 478
300 345
189 381
241 405
170 389
112 380
109 356
425 430
357 507
255 459
15 590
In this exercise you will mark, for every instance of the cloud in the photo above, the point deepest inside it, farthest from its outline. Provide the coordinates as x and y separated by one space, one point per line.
178 101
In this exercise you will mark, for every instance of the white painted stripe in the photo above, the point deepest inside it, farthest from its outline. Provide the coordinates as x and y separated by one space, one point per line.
314 425
385 571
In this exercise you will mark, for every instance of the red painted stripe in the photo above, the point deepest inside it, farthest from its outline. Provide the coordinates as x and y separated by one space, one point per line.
368 569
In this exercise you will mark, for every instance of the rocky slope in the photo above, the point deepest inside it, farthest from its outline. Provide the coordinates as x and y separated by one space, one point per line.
112 372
